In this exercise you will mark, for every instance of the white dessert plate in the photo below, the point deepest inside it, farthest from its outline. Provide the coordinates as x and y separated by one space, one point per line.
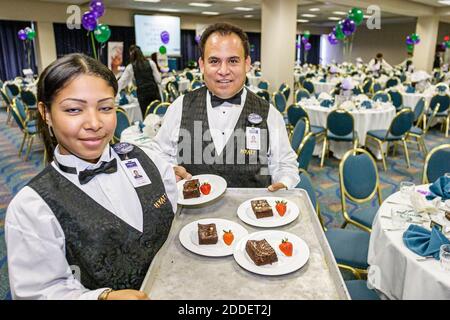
218 187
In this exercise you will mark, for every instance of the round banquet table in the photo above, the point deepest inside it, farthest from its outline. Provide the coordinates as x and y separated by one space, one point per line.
365 120
320 87
410 99
394 269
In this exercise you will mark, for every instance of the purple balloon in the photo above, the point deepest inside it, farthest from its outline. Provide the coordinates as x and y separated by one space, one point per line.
298 45
165 37
332 39
409 41
304 40
22 34
308 46
417 41
197 39
89 21
348 27
97 8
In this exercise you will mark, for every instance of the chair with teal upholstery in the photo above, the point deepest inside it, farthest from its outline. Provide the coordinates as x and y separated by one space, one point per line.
12 90
301 94
358 290
392 82
282 86
279 101
366 104
294 113
161 108
349 247
416 131
340 127
298 133
439 108
195 84
396 98
263 84
367 86
381 96
397 132
305 150
151 107
309 86
122 123
264 94
441 88
437 163
172 88
357 90
29 130
359 182
189 75
286 91
28 98
410 88
376 87
165 96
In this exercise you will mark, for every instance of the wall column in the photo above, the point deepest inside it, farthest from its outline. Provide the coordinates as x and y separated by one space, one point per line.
427 29
45 45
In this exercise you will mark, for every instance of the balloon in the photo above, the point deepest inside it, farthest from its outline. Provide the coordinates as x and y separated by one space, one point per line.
306 34
356 15
197 39
415 38
409 41
89 21
337 30
332 39
31 34
348 27
102 33
97 8
304 40
308 46
410 47
446 38
165 37
162 50
297 46
447 44
22 34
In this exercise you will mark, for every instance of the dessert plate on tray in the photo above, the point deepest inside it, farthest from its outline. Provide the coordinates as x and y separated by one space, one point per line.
285 264
218 187
189 237
246 214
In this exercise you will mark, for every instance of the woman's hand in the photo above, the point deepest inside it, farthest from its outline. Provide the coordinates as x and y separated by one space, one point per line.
127 295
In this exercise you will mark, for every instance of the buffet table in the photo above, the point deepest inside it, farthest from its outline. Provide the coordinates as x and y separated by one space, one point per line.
177 273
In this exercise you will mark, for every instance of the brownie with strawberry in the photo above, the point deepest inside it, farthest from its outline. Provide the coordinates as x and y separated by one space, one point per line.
191 189
207 233
261 252
261 208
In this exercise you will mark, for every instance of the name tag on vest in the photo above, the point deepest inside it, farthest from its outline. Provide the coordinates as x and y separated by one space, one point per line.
253 138
135 172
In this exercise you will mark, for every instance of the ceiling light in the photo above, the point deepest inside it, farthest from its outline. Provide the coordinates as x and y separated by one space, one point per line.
340 13
243 9
446 2
210 13
314 9
168 10
248 16
154 1
334 18
200 4
308 15
233 0
302 20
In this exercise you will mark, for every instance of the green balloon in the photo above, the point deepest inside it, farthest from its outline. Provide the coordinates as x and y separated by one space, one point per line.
31 34
102 33
357 15
339 33
410 47
306 34
447 44
414 37
162 50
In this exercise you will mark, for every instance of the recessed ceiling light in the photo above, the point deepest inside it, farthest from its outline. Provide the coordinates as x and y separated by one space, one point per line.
314 9
308 15
233 0
168 10
210 13
340 13
334 18
248 16
302 20
200 4
243 9
446 2
154 1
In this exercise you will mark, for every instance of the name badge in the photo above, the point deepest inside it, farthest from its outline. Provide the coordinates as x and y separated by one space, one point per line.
253 138
135 172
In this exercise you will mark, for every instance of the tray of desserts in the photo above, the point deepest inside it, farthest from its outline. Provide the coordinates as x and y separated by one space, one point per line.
271 252
268 212
212 237
200 189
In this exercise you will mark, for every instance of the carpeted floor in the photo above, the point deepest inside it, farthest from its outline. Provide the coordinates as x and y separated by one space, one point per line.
15 173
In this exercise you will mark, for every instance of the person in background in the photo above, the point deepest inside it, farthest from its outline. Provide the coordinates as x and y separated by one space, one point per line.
359 63
407 64
437 61
116 60
378 64
84 212
154 57
145 74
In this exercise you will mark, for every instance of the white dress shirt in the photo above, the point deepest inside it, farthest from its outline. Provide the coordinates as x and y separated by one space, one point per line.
128 76
375 66
37 264
282 160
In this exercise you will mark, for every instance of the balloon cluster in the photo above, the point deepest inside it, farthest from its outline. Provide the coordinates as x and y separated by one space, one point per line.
446 43
346 27
411 41
26 34
163 61
305 40
89 21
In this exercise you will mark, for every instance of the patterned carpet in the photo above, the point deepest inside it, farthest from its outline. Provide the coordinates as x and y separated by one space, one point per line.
15 173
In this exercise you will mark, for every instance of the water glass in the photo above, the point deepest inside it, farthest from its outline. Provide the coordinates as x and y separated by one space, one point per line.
444 257
407 188
398 218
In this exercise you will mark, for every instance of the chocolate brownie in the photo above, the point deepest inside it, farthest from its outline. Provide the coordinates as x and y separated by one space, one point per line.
191 189
207 233
261 252
261 208
447 215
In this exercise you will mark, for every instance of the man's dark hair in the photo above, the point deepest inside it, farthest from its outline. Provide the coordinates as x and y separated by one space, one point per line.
379 55
224 29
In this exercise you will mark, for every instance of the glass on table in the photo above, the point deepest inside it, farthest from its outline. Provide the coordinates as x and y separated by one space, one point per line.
444 257
407 188
398 218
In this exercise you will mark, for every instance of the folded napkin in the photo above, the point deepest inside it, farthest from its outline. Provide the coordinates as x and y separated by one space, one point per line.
367 104
410 89
424 242
152 124
440 188
419 203
123 100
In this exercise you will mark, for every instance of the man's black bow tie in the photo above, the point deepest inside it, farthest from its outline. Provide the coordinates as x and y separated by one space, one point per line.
216 101
106 167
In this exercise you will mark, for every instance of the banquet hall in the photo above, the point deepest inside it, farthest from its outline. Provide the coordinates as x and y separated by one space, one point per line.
341 116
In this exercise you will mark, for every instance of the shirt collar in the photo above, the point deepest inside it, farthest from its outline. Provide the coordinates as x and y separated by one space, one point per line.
243 97
73 161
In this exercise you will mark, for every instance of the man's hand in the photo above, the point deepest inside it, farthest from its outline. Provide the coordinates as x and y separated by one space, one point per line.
276 186
127 295
181 173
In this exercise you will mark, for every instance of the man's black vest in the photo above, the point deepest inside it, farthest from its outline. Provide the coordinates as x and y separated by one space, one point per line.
143 74
239 166
108 251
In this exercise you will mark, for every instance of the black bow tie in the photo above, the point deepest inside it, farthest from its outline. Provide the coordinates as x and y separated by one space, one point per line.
106 167
216 101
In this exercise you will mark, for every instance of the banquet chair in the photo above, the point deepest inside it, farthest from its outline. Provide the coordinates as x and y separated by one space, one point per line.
294 113
349 247
263 84
439 108
357 90
340 127
7 102
441 88
29 130
189 76
123 122
298 133
366 104
195 84
367 86
398 129
376 87
437 163
264 94
173 90
309 86
282 86
161 108
305 150
381 96
151 107
402 78
165 96
301 94
415 131
396 98
11 91
358 290
392 82
410 88
359 183
29 98
286 92
279 101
